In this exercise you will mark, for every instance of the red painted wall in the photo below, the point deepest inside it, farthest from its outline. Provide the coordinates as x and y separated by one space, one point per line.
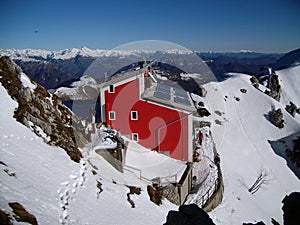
173 135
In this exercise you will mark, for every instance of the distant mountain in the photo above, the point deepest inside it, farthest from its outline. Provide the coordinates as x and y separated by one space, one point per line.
238 62
55 72
53 69
46 55
290 59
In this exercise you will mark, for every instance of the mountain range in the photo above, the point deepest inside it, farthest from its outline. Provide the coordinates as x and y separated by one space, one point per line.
53 69
60 187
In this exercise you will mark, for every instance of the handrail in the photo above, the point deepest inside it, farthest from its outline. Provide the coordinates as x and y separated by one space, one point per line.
141 177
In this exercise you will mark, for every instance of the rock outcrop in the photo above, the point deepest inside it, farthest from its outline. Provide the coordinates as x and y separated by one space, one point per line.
188 215
276 118
201 91
40 111
254 82
203 112
274 86
292 109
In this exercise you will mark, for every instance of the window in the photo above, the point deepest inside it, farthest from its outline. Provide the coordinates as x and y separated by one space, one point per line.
135 137
112 115
134 115
111 89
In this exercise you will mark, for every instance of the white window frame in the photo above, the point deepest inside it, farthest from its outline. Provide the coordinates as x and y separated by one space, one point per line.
132 113
111 88
135 137
110 113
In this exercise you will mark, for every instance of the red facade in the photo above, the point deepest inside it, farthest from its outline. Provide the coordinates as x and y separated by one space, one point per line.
154 126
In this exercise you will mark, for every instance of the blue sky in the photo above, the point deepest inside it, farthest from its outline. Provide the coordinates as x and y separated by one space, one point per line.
210 25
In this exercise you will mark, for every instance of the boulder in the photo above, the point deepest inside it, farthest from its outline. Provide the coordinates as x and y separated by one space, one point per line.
276 118
201 91
201 104
203 112
274 86
291 109
237 99
188 215
254 82
243 90
205 124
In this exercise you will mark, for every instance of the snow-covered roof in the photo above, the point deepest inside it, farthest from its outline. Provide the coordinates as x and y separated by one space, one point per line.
151 164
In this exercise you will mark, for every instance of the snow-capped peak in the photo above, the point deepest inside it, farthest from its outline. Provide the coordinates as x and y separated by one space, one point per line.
40 55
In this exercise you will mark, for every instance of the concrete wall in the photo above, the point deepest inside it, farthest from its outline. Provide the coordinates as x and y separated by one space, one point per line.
217 196
177 193
113 156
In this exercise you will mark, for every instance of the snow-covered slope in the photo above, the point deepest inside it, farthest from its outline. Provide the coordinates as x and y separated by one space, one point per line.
245 151
59 191
290 79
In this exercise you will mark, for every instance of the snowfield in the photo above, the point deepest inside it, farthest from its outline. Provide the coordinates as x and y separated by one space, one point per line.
245 151
59 191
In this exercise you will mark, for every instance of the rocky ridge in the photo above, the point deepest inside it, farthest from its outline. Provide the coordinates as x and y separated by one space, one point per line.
41 111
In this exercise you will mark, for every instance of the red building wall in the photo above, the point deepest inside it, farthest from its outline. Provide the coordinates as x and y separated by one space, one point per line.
158 127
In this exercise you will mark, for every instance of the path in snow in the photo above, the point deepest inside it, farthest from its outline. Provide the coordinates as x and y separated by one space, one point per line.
67 192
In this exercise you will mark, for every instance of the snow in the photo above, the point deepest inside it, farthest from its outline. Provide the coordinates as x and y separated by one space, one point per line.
85 80
245 150
38 54
100 141
59 191
27 82
290 78
37 167
151 164
206 171
187 76
84 89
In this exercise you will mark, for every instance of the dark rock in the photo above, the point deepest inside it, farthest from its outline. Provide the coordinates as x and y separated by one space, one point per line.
291 109
201 91
188 215
254 82
291 206
21 214
203 112
274 86
243 90
274 222
5 218
155 195
237 99
205 124
201 104
276 118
